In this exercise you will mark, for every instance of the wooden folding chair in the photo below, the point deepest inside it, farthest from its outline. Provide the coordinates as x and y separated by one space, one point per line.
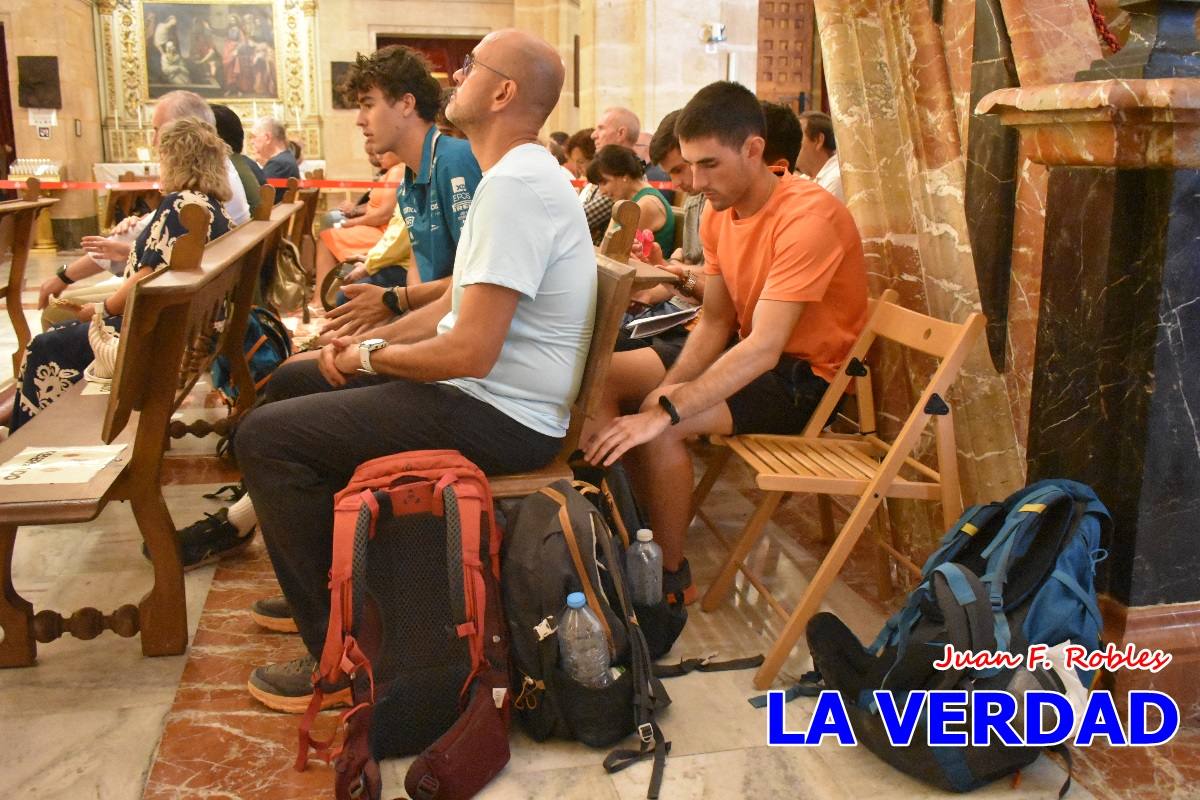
862 465
613 287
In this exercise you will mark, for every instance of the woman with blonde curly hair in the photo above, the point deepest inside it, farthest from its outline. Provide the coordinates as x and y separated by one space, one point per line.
192 165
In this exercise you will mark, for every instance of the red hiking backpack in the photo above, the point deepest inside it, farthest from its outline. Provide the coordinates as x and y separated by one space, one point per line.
416 621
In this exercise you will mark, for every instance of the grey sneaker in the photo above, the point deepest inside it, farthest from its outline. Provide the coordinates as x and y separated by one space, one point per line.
288 687
274 614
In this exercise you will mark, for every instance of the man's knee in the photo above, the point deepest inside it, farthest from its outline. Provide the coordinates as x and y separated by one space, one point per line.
257 434
298 376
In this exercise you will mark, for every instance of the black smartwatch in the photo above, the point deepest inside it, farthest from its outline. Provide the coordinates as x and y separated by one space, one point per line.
669 407
392 300
62 275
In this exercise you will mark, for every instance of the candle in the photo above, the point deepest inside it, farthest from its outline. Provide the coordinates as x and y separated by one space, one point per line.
140 124
255 110
117 114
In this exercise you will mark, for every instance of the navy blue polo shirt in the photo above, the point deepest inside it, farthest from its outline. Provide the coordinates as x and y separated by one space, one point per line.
434 201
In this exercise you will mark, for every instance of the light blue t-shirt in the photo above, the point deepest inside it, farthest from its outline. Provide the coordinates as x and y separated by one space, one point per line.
526 231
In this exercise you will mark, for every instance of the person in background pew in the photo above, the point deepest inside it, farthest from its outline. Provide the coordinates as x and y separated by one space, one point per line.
229 128
398 100
270 142
360 233
785 299
620 175
618 126
818 153
580 152
349 209
192 164
111 252
783 137
490 369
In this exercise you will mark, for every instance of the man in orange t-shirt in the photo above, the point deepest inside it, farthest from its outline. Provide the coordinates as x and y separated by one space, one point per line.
786 287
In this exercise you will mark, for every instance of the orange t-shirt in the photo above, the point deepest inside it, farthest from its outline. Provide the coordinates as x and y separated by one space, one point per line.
802 246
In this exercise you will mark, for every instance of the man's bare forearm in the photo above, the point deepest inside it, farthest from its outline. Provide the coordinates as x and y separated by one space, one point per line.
704 345
416 325
731 372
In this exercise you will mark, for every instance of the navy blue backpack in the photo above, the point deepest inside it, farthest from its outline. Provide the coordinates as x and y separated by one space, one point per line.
267 345
1006 575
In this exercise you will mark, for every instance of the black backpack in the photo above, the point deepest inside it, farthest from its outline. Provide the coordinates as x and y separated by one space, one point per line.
610 492
1007 575
558 543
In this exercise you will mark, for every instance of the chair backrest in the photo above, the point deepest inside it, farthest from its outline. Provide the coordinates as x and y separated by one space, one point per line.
167 338
303 228
614 283
618 239
949 342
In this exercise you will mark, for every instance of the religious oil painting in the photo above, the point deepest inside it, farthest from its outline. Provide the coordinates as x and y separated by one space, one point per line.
218 50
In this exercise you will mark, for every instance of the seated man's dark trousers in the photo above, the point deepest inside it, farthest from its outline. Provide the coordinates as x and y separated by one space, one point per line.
302 445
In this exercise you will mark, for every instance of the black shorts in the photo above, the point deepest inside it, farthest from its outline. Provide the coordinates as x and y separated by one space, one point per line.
780 401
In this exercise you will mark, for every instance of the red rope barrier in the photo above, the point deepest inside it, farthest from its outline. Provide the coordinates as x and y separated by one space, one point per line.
1101 24
276 182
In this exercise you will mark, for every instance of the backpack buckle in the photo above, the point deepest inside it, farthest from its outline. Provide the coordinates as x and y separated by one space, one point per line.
646 732
544 628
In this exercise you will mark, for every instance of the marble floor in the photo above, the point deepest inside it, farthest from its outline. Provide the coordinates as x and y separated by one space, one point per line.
97 720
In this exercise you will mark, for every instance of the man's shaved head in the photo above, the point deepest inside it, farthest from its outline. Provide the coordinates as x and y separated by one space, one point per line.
536 67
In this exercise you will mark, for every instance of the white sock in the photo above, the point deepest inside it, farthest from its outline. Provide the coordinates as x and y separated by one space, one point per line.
241 514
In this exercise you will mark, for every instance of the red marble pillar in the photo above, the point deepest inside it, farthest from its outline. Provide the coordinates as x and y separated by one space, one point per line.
903 172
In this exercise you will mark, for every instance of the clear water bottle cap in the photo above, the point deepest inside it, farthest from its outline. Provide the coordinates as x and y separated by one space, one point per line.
645 535
576 600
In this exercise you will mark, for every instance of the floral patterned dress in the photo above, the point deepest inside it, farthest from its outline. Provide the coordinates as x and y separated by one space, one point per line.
55 360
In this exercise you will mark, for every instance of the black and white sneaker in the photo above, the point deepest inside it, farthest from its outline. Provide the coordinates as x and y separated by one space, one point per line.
207 540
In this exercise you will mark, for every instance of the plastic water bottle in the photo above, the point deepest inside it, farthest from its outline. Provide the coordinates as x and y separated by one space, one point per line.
644 568
582 644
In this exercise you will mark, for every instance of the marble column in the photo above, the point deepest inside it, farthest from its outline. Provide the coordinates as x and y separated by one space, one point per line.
1116 386
1050 42
903 173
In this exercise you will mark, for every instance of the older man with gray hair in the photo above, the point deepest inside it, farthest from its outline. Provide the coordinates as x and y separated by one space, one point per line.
110 252
617 125
271 149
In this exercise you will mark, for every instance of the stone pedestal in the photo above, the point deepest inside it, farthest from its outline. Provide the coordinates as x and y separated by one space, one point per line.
1116 388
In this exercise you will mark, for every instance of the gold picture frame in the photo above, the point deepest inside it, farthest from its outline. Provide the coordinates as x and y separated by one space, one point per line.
131 83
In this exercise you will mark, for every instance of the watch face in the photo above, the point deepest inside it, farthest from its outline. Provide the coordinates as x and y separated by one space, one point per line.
373 344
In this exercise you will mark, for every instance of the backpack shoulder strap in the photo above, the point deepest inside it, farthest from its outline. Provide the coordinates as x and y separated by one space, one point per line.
585 576
354 520
647 691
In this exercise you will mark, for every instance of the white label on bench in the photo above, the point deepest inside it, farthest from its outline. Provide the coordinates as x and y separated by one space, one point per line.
58 464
